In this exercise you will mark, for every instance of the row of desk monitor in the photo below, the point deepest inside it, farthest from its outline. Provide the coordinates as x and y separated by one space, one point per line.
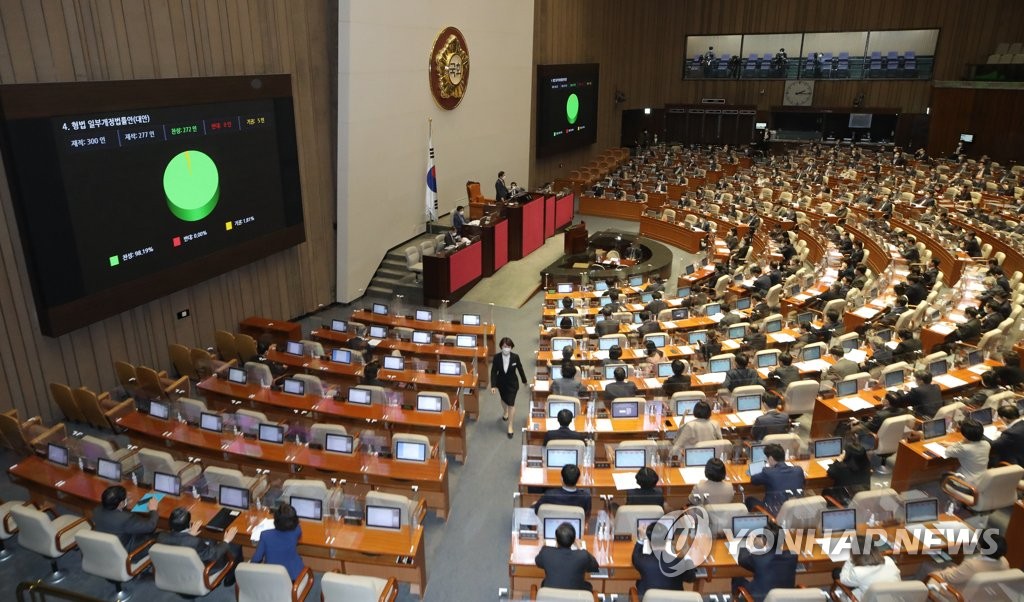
745 525
420 315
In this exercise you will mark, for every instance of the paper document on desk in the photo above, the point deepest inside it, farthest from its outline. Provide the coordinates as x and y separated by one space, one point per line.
604 425
749 417
551 424
837 548
652 383
685 349
711 378
542 385
949 381
716 318
825 463
855 403
625 481
640 352
374 342
781 337
802 297
892 344
600 354
936 448
955 530
856 355
980 368
943 327
992 432
265 524
692 474
813 365
591 330
669 325
865 312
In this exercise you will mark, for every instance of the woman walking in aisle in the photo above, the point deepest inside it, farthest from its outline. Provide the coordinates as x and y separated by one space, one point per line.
503 379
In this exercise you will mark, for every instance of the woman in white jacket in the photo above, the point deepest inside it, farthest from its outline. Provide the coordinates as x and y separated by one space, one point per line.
866 566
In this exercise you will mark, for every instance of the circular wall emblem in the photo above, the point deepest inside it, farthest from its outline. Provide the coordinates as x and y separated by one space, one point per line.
449 68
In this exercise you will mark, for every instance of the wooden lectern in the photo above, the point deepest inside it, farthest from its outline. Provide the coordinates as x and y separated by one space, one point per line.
575 239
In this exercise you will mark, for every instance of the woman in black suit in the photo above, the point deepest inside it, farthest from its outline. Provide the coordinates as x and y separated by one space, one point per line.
503 379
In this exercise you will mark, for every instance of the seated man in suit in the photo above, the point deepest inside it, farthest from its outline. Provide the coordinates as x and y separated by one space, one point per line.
780 480
452 238
649 493
607 325
772 422
741 375
565 567
785 373
1009 447
564 418
650 324
459 219
184 532
621 387
890 317
762 281
567 494
679 381
842 368
656 304
891 408
925 398
568 385
772 565
908 347
650 563
655 285
112 516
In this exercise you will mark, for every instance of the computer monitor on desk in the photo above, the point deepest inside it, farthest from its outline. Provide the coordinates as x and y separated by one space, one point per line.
828 448
470 319
233 497
685 406
560 343
271 433
293 386
294 348
664 370
630 458
720 365
378 332
465 341
424 315
380 309
558 457
341 356
551 524
697 336
931 429
921 511
659 340
894 378
748 403
108 469
211 422
307 508
421 337
773 326
845 388
337 443
747 524
806 317
236 375
167 484
58 454
383 517
938 367
339 326
839 520
606 344
394 362
743 303
359 396
449 367
564 287
767 360
429 403
554 407
158 409
625 409
698 456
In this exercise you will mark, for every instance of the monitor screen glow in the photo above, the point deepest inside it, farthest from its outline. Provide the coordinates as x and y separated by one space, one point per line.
411 451
108 469
271 433
342 444
233 497
166 483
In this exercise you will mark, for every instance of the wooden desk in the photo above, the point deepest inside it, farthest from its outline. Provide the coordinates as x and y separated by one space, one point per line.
368 317
434 351
324 546
494 237
677 235
281 330
226 396
616 557
462 387
451 275
600 481
235 451
628 210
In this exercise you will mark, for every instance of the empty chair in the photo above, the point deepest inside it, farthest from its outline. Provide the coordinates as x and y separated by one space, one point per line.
801 512
65 400
313 489
626 517
216 476
104 556
785 595
100 410
8 528
246 347
989 584
400 438
270 583
427 248
414 261
313 386
799 397
258 373
554 594
227 349
406 507
377 394
899 591
126 377
619 339
889 436
93 448
178 569
664 595
50 538
155 385
160 461
336 587
181 359
191 409
248 421
205 363
720 516
319 431
996 488
312 348
25 437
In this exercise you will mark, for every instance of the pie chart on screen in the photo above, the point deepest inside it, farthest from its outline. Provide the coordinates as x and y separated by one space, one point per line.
191 185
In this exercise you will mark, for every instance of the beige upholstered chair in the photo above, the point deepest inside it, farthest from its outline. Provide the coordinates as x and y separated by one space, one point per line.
996 488
104 556
627 517
336 587
154 460
406 506
8 528
270 583
217 476
50 538
308 488
94 448
178 569
664 595
553 594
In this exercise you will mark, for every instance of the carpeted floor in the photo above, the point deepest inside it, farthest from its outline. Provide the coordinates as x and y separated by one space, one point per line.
517 281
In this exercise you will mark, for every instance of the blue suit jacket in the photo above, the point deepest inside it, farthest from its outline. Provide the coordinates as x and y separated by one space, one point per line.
771 570
776 480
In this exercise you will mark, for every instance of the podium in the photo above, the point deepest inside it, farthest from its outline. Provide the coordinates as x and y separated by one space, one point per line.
575 241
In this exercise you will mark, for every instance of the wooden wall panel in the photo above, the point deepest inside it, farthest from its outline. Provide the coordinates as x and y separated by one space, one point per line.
76 40
640 46
994 116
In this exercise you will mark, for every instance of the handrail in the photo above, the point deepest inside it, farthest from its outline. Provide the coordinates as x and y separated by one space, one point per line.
41 592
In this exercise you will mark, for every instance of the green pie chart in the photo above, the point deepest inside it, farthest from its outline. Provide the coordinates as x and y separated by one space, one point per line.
572 108
192 185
